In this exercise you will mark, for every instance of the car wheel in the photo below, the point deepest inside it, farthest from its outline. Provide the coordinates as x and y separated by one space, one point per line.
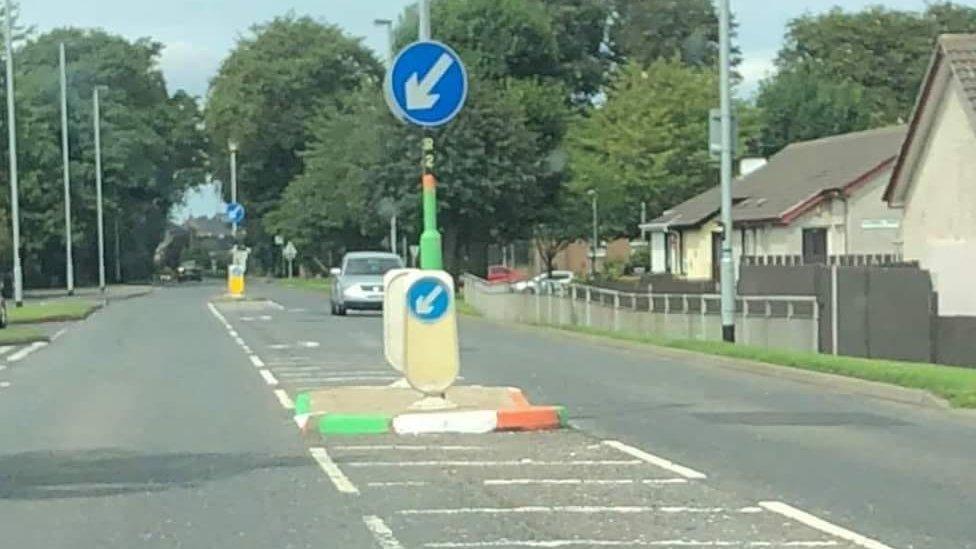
340 310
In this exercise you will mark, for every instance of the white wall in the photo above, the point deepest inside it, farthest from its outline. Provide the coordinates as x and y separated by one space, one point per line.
939 227
873 226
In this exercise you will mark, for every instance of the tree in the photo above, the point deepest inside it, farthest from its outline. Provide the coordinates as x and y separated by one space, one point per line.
644 31
648 143
563 222
265 93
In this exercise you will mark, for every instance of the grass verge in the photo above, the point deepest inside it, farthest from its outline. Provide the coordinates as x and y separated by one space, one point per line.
14 335
321 285
955 384
51 311
466 309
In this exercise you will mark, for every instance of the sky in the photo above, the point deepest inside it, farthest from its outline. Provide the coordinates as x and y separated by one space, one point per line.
198 34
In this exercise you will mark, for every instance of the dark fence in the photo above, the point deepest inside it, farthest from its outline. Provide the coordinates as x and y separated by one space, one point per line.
848 260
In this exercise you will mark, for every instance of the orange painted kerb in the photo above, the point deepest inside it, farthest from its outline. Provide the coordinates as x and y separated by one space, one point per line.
429 181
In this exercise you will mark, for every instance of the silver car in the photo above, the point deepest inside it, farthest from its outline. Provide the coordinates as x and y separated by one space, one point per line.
358 285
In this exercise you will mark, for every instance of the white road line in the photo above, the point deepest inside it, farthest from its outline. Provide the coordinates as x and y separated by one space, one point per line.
4 384
58 334
21 354
820 524
256 361
406 447
238 340
331 379
555 543
402 483
579 481
518 463
6 349
655 460
284 399
276 305
269 378
577 509
341 481
216 313
381 532
233 333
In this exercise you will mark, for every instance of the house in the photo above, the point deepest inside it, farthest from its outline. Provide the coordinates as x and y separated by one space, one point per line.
811 201
934 180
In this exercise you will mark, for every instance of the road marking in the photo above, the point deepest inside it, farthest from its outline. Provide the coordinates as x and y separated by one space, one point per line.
332 379
402 483
274 304
309 344
239 340
21 354
406 447
381 532
577 509
655 460
284 399
216 313
820 524
256 361
6 349
58 334
4 384
233 333
247 349
578 481
338 478
490 463
555 543
269 378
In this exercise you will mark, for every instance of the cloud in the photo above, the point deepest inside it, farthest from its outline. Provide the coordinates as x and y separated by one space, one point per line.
189 66
754 68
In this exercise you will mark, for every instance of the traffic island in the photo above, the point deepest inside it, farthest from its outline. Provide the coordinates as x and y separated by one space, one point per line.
383 410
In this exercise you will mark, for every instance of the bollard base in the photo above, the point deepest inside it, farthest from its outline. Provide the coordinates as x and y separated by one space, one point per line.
401 383
432 403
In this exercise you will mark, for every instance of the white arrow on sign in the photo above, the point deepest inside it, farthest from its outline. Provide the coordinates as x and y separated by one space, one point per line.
418 91
425 303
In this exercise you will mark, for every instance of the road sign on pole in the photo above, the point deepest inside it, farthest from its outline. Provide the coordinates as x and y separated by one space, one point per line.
290 253
426 84
235 213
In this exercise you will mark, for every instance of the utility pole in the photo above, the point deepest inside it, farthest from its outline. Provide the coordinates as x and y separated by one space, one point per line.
118 256
69 269
98 192
430 240
388 24
12 142
596 237
728 269
232 147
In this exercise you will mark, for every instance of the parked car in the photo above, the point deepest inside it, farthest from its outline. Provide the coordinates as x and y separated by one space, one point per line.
556 281
189 271
358 284
500 274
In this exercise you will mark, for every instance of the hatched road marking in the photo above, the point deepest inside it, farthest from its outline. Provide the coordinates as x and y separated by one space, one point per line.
655 460
519 462
21 354
338 478
269 378
381 532
578 509
820 524
284 399
626 543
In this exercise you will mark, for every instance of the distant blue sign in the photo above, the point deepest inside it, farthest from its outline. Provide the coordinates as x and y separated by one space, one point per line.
427 84
235 213
428 299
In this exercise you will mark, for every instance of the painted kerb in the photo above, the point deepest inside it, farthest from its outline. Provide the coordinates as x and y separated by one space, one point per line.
788 322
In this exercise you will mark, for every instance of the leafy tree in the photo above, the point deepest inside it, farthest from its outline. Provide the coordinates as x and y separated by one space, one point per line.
648 143
644 31
562 222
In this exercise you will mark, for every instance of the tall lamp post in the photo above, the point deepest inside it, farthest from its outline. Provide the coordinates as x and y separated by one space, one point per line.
728 269
98 188
388 24
596 239
232 147
18 273
69 268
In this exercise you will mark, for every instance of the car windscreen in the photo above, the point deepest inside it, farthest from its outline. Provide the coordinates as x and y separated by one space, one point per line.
370 266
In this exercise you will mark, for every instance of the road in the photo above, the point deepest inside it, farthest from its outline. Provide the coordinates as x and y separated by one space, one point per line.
152 424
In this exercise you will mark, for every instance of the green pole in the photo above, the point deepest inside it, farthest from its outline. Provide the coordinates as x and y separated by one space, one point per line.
430 239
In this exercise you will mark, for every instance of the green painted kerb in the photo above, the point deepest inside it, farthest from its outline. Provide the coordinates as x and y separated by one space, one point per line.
348 424
563 416
303 404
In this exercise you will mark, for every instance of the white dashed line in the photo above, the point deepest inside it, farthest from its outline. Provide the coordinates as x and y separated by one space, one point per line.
822 525
58 334
338 478
21 354
518 463
4 384
284 399
556 543
575 509
269 378
256 361
398 484
405 447
381 532
655 460
6 349
234 334
276 305
579 481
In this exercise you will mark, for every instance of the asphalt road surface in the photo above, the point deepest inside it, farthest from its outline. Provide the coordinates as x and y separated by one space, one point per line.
163 422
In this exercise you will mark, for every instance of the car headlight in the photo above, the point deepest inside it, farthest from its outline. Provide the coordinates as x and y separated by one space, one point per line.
353 292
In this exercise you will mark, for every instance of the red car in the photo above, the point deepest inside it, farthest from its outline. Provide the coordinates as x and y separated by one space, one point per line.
500 274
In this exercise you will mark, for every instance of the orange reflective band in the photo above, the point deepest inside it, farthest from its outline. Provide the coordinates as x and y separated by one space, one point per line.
429 181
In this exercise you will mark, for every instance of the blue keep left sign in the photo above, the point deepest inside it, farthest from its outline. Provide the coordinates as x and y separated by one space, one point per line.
235 212
427 84
428 299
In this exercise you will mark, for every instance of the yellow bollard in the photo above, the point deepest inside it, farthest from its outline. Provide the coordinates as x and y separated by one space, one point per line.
235 281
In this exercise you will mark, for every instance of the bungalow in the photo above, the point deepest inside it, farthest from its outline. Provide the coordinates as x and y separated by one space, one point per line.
812 200
934 180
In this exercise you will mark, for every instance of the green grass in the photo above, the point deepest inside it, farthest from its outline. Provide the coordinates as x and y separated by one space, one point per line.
466 309
321 285
51 311
12 335
956 385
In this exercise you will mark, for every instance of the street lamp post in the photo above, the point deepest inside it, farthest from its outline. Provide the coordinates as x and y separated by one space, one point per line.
69 268
232 147
596 239
12 142
728 269
388 24
98 190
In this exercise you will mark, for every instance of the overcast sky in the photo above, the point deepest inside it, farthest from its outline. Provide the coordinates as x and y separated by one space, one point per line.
199 33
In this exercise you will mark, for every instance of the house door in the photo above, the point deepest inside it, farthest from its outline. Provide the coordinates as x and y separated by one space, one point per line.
814 246
716 256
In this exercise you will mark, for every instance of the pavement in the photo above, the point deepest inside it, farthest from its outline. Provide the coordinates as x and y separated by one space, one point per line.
113 292
177 432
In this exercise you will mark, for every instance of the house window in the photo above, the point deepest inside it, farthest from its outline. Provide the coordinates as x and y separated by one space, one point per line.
814 246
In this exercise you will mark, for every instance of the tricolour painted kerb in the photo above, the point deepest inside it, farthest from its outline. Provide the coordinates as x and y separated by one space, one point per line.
352 424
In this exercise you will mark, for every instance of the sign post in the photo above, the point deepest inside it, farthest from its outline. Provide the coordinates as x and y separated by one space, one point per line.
290 253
